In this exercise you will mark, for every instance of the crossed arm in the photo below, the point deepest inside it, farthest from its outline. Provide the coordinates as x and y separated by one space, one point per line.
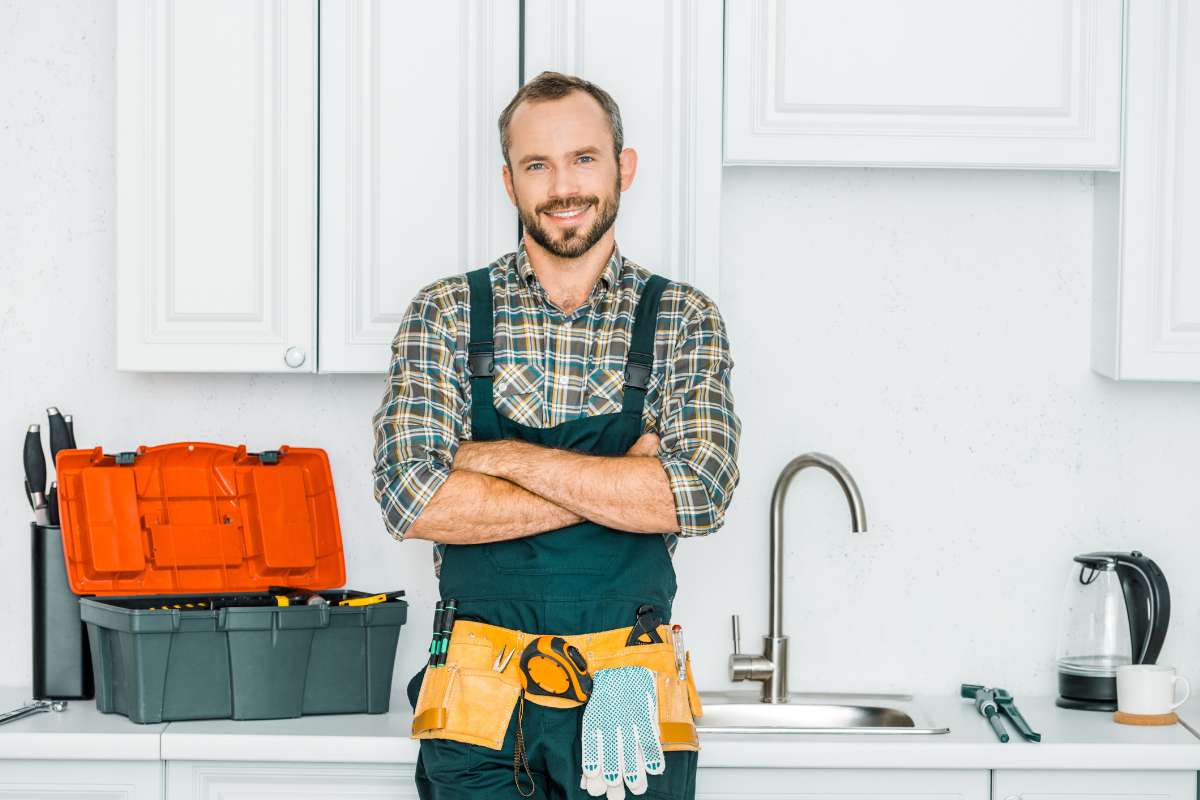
432 484
509 489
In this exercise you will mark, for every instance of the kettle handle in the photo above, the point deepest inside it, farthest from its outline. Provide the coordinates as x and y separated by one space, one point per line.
1148 603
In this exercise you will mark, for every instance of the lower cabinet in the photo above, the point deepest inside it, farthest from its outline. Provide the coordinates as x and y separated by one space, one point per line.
842 784
249 780
1044 784
77 780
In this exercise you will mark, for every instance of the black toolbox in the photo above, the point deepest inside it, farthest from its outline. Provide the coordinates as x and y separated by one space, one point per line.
181 548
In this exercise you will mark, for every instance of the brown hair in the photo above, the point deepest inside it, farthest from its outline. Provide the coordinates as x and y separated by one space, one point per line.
552 86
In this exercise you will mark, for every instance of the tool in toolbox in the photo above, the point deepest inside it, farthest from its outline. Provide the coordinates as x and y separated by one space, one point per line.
30 709
993 702
216 540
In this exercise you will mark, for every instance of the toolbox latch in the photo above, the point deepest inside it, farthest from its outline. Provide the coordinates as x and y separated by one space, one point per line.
126 458
269 457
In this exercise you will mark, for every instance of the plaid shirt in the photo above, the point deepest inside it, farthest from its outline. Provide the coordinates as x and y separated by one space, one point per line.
553 367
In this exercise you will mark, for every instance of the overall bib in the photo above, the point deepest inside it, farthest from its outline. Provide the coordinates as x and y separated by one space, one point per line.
581 578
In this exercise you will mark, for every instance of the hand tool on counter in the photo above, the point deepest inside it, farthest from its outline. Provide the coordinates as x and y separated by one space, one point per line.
992 703
33 708
35 473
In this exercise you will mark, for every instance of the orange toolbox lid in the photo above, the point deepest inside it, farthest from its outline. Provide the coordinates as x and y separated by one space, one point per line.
198 518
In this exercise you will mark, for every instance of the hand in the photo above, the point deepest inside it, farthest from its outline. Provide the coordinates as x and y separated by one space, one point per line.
646 445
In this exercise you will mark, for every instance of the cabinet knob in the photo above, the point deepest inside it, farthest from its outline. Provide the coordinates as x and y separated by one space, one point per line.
294 357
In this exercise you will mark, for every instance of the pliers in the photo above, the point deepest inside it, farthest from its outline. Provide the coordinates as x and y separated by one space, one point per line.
991 703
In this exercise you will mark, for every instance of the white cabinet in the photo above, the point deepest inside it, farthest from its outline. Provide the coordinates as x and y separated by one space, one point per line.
840 784
1010 784
411 188
934 83
216 185
660 62
1146 283
76 780
230 780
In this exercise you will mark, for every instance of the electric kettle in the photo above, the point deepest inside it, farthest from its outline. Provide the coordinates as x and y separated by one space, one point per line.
1117 607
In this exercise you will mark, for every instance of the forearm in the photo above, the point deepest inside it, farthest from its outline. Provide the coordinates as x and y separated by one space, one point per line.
629 493
471 508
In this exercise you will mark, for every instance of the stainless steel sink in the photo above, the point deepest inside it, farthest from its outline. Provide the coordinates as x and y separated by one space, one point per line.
744 712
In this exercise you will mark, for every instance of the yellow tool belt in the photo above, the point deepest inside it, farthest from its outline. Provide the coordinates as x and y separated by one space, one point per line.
467 701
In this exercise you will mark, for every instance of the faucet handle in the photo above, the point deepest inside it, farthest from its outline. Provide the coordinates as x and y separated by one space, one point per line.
737 635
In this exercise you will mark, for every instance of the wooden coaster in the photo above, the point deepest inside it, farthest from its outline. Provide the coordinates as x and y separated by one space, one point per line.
1169 718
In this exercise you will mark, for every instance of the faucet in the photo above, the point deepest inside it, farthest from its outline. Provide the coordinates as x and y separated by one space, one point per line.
772 666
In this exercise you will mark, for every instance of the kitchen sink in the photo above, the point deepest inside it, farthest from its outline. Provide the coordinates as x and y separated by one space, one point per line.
744 712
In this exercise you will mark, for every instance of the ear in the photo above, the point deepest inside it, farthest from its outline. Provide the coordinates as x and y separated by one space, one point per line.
627 165
506 173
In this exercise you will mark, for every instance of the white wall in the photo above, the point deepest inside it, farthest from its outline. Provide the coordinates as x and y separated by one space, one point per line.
928 328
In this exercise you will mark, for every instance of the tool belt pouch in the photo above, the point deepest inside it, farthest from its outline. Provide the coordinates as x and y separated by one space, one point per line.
678 700
465 701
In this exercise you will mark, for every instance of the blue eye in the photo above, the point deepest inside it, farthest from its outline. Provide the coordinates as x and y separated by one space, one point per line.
534 164
588 157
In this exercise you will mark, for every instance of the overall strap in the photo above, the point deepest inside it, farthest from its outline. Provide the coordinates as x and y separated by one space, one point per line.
481 356
640 364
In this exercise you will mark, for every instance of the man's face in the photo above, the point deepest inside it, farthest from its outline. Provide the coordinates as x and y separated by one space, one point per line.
562 161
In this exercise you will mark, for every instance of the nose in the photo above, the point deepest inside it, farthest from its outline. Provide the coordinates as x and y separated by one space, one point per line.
565 184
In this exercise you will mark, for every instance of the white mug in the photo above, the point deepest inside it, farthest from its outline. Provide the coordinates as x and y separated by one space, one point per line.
1149 689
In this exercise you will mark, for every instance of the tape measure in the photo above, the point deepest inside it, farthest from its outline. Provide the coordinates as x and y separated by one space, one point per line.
550 667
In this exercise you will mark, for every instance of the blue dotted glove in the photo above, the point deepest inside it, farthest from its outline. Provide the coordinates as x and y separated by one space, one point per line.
620 733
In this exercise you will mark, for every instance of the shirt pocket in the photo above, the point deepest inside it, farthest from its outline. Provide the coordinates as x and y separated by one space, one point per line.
605 391
518 392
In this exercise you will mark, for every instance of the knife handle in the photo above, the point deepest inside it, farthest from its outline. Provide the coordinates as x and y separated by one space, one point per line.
60 437
35 460
70 420
52 504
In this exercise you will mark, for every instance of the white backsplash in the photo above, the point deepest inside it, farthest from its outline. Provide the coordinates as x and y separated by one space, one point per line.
930 329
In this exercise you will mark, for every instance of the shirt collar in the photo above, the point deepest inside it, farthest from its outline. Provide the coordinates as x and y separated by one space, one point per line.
608 275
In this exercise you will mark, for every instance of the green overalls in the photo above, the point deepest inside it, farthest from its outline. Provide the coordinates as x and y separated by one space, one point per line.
577 579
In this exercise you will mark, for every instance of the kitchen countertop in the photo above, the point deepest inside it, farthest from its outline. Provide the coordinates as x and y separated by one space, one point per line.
1070 740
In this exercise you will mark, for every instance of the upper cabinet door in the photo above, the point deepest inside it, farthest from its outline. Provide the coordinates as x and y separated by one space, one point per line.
1146 308
411 187
932 83
661 63
216 185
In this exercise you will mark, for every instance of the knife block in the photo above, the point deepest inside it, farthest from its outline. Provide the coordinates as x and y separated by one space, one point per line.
62 660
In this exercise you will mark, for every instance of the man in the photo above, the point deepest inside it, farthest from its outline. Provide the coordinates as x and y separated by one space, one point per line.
553 423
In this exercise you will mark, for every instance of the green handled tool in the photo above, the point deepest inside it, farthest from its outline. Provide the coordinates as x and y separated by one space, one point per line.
991 703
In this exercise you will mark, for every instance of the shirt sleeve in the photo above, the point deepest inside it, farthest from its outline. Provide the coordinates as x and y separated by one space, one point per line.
698 429
419 423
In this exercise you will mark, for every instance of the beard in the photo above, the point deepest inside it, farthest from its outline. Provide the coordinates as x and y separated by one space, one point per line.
574 241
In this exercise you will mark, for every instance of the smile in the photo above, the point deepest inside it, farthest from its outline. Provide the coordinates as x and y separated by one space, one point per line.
569 215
